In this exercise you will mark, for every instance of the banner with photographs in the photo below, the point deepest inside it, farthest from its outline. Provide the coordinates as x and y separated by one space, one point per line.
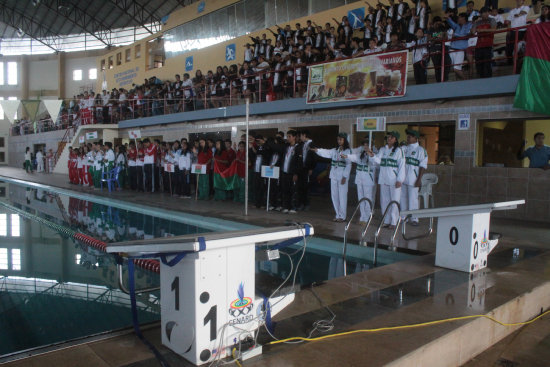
375 76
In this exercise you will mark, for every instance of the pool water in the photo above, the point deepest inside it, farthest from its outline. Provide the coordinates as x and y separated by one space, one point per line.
55 289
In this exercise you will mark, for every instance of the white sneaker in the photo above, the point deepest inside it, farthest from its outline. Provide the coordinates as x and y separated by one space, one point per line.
285 211
292 211
271 207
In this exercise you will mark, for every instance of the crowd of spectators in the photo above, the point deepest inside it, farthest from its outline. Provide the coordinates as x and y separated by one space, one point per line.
275 64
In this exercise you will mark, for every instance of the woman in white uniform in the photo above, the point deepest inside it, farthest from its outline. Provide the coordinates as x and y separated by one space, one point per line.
364 177
339 173
392 174
416 162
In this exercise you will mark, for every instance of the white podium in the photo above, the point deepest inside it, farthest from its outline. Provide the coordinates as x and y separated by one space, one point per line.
208 301
463 241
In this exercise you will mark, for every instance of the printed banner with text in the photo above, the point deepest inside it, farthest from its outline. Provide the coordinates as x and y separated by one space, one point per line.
375 76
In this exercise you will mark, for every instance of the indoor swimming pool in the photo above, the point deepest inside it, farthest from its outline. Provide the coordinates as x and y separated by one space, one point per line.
55 288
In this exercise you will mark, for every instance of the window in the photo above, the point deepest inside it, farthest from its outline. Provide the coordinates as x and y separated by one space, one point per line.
15 259
3 258
3 224
15 226
103 65
2 160
12 73
2 142
1 110
13 99
1 73
119 58
110 62
77 259
498 142
128 54
77 74
92 74
137 52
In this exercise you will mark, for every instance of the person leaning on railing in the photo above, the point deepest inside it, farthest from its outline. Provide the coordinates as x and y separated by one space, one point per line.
516 18
484 27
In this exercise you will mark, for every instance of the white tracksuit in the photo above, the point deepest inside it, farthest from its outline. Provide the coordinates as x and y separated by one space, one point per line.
340 168
365 179
415 158
392 170
39 162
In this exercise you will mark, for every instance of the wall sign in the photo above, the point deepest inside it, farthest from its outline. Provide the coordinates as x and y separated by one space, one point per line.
464 121
230 52
189 63
356 17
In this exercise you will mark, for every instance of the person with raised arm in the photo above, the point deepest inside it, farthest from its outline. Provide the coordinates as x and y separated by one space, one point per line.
339 174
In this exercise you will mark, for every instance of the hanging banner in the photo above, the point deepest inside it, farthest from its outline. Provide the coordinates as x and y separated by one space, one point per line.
54 107
368 77
135 134
10 108
91 135
31 108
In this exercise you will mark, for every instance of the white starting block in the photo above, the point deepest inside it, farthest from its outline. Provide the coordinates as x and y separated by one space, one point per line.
208 301
463 241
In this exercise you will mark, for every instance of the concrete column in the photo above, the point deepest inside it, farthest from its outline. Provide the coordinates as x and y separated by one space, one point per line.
61 73
24 77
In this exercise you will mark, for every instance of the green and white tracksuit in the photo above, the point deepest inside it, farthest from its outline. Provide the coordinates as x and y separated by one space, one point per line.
339 169
415 158
365 179
98 168
392 170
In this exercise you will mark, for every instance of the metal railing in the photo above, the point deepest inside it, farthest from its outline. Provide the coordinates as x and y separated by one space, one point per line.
422 235
377 233
363 233
123 288
292 83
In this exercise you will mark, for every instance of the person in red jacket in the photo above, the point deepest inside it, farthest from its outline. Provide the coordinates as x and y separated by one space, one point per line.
231 154
132 166
222 161
150 151
204 156
140 165
73 170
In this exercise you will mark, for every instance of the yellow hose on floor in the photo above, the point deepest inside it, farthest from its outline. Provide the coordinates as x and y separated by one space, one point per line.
401 327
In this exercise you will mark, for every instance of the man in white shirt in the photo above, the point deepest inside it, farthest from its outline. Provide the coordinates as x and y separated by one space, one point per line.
516 18
39 161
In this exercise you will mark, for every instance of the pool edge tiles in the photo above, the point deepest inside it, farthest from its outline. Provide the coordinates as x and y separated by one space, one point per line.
182 217
327 246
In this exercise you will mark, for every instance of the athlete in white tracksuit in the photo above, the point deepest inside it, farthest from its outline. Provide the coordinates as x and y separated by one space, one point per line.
365 178
416 161
392 175
339 174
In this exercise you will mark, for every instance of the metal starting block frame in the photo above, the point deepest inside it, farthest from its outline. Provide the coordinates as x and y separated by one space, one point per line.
207 285
463 238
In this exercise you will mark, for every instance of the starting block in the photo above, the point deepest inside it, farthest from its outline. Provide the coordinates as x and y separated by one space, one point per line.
207 285
463 238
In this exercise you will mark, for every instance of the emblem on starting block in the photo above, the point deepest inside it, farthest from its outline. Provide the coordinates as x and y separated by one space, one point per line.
241 307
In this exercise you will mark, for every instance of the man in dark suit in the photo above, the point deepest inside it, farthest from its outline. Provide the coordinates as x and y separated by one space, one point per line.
292 167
